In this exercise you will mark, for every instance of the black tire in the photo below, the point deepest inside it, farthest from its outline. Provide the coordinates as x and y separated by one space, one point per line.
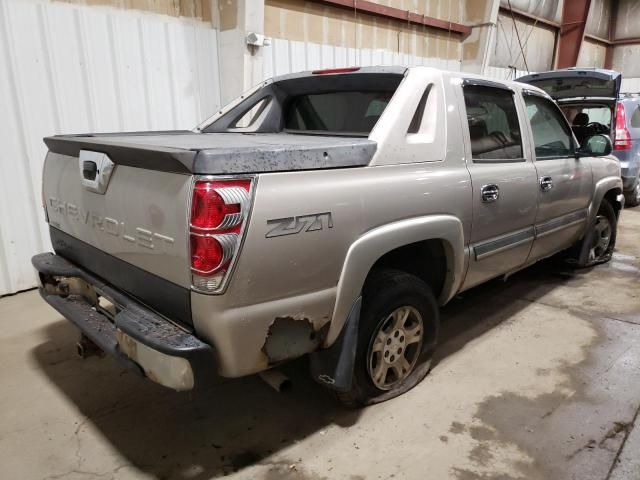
591 250
385 293
632 198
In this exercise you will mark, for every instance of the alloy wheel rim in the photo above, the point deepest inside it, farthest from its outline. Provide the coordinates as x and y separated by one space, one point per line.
601 238
395 347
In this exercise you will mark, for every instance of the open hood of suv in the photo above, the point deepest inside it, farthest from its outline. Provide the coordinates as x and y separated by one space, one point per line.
577 83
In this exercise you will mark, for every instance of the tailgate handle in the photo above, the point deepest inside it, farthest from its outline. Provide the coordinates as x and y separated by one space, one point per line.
89 170
95 170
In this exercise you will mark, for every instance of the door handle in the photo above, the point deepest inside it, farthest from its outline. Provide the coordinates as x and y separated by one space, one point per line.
490 193
546 183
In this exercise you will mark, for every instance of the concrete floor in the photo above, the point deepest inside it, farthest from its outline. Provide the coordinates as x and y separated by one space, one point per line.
537 378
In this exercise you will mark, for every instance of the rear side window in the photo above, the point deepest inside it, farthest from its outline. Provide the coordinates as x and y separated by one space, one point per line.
635 118
336 112
494 130
551 134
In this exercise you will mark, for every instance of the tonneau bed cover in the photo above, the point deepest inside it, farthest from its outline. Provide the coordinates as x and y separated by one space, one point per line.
187 152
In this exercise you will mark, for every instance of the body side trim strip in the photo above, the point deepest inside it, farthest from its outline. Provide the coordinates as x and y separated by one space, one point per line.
505 242
559 223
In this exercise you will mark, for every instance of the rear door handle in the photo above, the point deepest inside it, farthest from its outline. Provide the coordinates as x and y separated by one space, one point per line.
490 193
546 183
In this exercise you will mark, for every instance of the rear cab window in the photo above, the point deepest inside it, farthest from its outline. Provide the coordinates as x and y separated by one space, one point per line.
336 112
342 104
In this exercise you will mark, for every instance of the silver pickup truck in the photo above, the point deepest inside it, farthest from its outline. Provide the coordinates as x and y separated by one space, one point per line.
328 213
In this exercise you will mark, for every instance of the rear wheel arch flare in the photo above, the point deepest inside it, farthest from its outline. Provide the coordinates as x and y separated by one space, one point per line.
372 246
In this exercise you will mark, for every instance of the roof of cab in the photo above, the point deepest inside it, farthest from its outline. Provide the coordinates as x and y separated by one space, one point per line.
483 79
400 70
393 69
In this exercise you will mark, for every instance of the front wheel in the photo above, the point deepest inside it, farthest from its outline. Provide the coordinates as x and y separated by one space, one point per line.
598 243
398 329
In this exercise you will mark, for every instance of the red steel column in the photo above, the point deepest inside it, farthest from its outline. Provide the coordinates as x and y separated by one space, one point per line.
574 21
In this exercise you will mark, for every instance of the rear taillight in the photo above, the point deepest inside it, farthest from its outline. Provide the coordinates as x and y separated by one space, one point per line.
219 210
622 135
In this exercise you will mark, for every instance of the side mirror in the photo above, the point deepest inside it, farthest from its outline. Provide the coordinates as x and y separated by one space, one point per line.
596 146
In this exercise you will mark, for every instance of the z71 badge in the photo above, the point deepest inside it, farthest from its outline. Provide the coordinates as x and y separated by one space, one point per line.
302 223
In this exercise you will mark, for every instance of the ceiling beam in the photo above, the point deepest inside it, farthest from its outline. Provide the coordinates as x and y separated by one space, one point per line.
572 29
393 13
627 41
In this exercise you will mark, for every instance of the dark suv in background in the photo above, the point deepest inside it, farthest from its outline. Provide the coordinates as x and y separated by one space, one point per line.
590 99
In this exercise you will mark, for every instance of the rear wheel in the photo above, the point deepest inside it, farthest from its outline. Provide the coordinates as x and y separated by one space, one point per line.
398 328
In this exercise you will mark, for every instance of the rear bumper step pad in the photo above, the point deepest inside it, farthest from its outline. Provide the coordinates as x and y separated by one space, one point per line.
153 346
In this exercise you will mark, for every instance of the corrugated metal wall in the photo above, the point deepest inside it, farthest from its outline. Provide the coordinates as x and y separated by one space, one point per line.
599 18
505 73
626 58
591 54
318 33
549 9
627 24
66 68
287 56
630 85
538 40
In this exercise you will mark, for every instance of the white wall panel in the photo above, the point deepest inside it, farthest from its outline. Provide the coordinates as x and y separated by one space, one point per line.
625 60
549 9
591 54
71 69
504 73
288 56
627 25
599 18
538 43
630 85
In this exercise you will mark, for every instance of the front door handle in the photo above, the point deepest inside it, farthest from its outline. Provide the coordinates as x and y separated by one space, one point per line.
546 183
490 193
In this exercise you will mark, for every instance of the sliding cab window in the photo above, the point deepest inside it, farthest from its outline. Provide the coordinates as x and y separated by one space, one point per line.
339 112
494 130
551 134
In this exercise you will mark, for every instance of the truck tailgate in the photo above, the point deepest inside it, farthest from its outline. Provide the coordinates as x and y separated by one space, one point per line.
133 235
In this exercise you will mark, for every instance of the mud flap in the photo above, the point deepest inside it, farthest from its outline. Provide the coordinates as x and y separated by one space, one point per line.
585 246
333 367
